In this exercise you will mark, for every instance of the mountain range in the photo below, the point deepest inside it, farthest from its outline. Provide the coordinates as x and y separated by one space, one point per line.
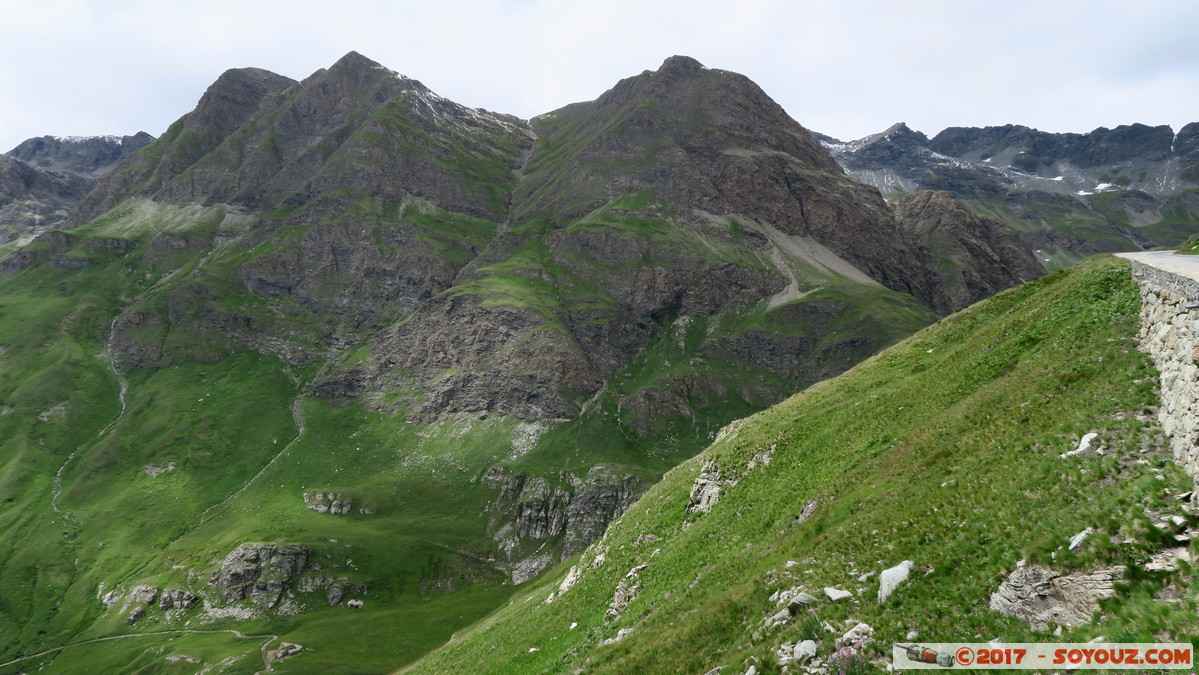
341 363
1069 195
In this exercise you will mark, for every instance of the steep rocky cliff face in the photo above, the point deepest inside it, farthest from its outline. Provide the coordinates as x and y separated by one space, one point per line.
1068 195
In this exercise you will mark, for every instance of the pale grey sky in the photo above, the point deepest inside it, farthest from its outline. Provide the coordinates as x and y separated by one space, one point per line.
847 68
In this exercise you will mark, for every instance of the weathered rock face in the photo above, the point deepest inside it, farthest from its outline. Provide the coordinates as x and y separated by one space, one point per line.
33 200
468 357
260 572
530 512
1169 335
705 492
1041 595
969 256
89 156
175 599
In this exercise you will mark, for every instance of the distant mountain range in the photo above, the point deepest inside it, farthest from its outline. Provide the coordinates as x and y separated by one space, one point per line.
1069 195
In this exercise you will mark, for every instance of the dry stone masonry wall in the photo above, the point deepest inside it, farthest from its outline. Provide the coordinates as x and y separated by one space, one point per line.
1170 333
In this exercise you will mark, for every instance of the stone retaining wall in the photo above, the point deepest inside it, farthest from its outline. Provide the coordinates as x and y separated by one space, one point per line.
1170 333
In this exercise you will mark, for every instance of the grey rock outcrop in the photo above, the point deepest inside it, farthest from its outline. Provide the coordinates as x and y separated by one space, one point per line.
531 511
891 578
706 489
175 599
327 502
835 594
1041 595
259 572
145 595
287 649
627 590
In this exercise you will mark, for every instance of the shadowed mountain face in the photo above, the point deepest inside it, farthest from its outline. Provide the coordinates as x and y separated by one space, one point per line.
970 256
713 142
363 342
43 179
1068 195
90 156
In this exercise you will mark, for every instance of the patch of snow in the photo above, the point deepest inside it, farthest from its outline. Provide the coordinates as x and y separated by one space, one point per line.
1102 186
1060 178
84 139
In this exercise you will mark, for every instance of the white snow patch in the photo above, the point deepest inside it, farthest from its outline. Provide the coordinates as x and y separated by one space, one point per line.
84 139
1060 178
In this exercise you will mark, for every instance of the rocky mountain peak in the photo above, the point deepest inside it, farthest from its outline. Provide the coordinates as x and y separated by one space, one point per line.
234 96
1186 143
354 61
354 69
899 145
680 66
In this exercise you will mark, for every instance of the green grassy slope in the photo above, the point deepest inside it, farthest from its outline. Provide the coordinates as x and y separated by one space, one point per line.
942 450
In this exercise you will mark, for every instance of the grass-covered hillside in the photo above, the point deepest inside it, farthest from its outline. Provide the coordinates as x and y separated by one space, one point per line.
943 450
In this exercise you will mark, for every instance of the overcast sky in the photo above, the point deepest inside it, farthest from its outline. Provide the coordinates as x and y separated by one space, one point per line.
846 68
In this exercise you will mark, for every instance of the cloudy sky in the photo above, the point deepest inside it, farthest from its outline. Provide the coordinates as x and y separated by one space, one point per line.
847 68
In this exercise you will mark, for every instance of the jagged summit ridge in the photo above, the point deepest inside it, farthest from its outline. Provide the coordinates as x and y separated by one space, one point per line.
1069 195
89 156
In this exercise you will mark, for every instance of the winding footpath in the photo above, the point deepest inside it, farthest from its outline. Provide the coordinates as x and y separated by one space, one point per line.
238 634
122 390
122 386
